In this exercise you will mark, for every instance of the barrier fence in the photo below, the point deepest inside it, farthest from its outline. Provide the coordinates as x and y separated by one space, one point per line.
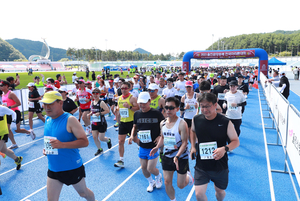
286 119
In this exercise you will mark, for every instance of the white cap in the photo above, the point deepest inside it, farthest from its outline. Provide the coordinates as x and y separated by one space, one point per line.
63 89
74 73
282 72
153 86
30 84
144 97
116 80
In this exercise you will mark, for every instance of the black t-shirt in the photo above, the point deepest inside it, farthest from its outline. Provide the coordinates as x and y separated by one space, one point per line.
97 108
148 121
220 89
211 131
34 94
243 87
119 92
69 105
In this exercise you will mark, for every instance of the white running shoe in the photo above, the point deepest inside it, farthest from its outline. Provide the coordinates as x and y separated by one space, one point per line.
13 146
158 181
191 179
32 134
151 186
87 131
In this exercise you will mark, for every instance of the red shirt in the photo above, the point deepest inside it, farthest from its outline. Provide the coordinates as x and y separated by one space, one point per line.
82 96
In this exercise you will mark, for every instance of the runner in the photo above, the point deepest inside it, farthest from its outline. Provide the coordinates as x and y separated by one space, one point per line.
4 112
161 86
74 92
190 104
34 105
63 136
180 87
170 91
99 125
127 105
69 105
211 131
206 88
84 95
157 102
235 100
10 100
111 97
174 138
146 125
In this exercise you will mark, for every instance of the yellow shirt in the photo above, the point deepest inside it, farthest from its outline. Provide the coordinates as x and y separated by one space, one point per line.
154 103
125 113
3 126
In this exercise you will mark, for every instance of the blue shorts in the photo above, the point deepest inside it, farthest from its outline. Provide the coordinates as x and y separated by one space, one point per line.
144 154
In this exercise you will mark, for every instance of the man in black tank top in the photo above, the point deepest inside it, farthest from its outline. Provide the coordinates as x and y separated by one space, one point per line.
211 130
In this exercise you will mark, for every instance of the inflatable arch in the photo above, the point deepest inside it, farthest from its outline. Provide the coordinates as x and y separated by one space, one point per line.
228 54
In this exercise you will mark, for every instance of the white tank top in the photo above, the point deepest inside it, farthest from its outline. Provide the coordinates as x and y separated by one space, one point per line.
190 113
172 141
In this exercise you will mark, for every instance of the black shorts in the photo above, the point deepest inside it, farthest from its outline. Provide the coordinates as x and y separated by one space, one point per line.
97 126
68 177
110 102
169 165
220 178
4 137
188 122
37 108
125 127
83 110
18 117
251 82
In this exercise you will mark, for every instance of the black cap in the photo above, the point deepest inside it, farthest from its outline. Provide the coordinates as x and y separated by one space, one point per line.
233 82
36 77
240 76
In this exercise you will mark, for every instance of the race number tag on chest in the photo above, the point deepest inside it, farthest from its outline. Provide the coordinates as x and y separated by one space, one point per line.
230 108
191 109
110 95
31 105
145 136
206 150
49 150
96 118
221 96
170 142
82 100
181 92
124 113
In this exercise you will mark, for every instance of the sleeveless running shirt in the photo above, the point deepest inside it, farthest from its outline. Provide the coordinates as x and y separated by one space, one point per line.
125 113
172 141
191 112
82 96
9 102
154 103
66 159
3 126
97 120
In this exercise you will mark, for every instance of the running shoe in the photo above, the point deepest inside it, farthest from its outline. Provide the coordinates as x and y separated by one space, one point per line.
119 164
116 125
13 146
3 155
117 128
87 131
128 135
191 179
109 114
151 186
99 151
115 119
158 181
32 135
160 156
18 162
109 143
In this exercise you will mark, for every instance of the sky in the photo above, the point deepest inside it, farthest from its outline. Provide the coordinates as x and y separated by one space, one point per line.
158 26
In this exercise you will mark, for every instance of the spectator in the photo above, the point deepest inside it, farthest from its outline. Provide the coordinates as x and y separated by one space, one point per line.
13 83
93 76
285 85
74 77
37 81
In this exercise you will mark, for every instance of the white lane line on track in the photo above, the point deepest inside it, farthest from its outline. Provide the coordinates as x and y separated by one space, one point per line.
35 192
190 194
109 195
22 165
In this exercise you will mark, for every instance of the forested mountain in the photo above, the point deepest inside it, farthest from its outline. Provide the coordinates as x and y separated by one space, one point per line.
8 52
273 43
141 51
29 47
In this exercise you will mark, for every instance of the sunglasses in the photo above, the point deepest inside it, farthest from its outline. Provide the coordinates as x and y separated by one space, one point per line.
79 82
151 91
124 88
61 92
96 93
169 107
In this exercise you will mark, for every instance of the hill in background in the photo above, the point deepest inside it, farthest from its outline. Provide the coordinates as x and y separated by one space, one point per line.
8 52
29 47
141 51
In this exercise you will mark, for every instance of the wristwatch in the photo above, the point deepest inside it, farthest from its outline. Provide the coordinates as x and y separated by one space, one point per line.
130 107
226 148
177 157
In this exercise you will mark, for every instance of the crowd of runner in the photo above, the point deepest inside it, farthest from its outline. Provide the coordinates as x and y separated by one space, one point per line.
211 103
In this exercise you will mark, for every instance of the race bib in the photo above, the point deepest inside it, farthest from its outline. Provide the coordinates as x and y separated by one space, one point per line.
145 136
230 108
245 81
110 95
82 100
191 109
181 92
206 150
31 105
221 96
96 118
49 150
124 113
170 142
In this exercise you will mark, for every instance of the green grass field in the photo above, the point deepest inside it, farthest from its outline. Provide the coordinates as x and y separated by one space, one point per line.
25 78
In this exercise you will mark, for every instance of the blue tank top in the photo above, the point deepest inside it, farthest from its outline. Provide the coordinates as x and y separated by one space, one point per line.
111 93
67 159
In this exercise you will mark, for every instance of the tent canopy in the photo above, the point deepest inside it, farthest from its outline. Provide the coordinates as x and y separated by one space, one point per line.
274 61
